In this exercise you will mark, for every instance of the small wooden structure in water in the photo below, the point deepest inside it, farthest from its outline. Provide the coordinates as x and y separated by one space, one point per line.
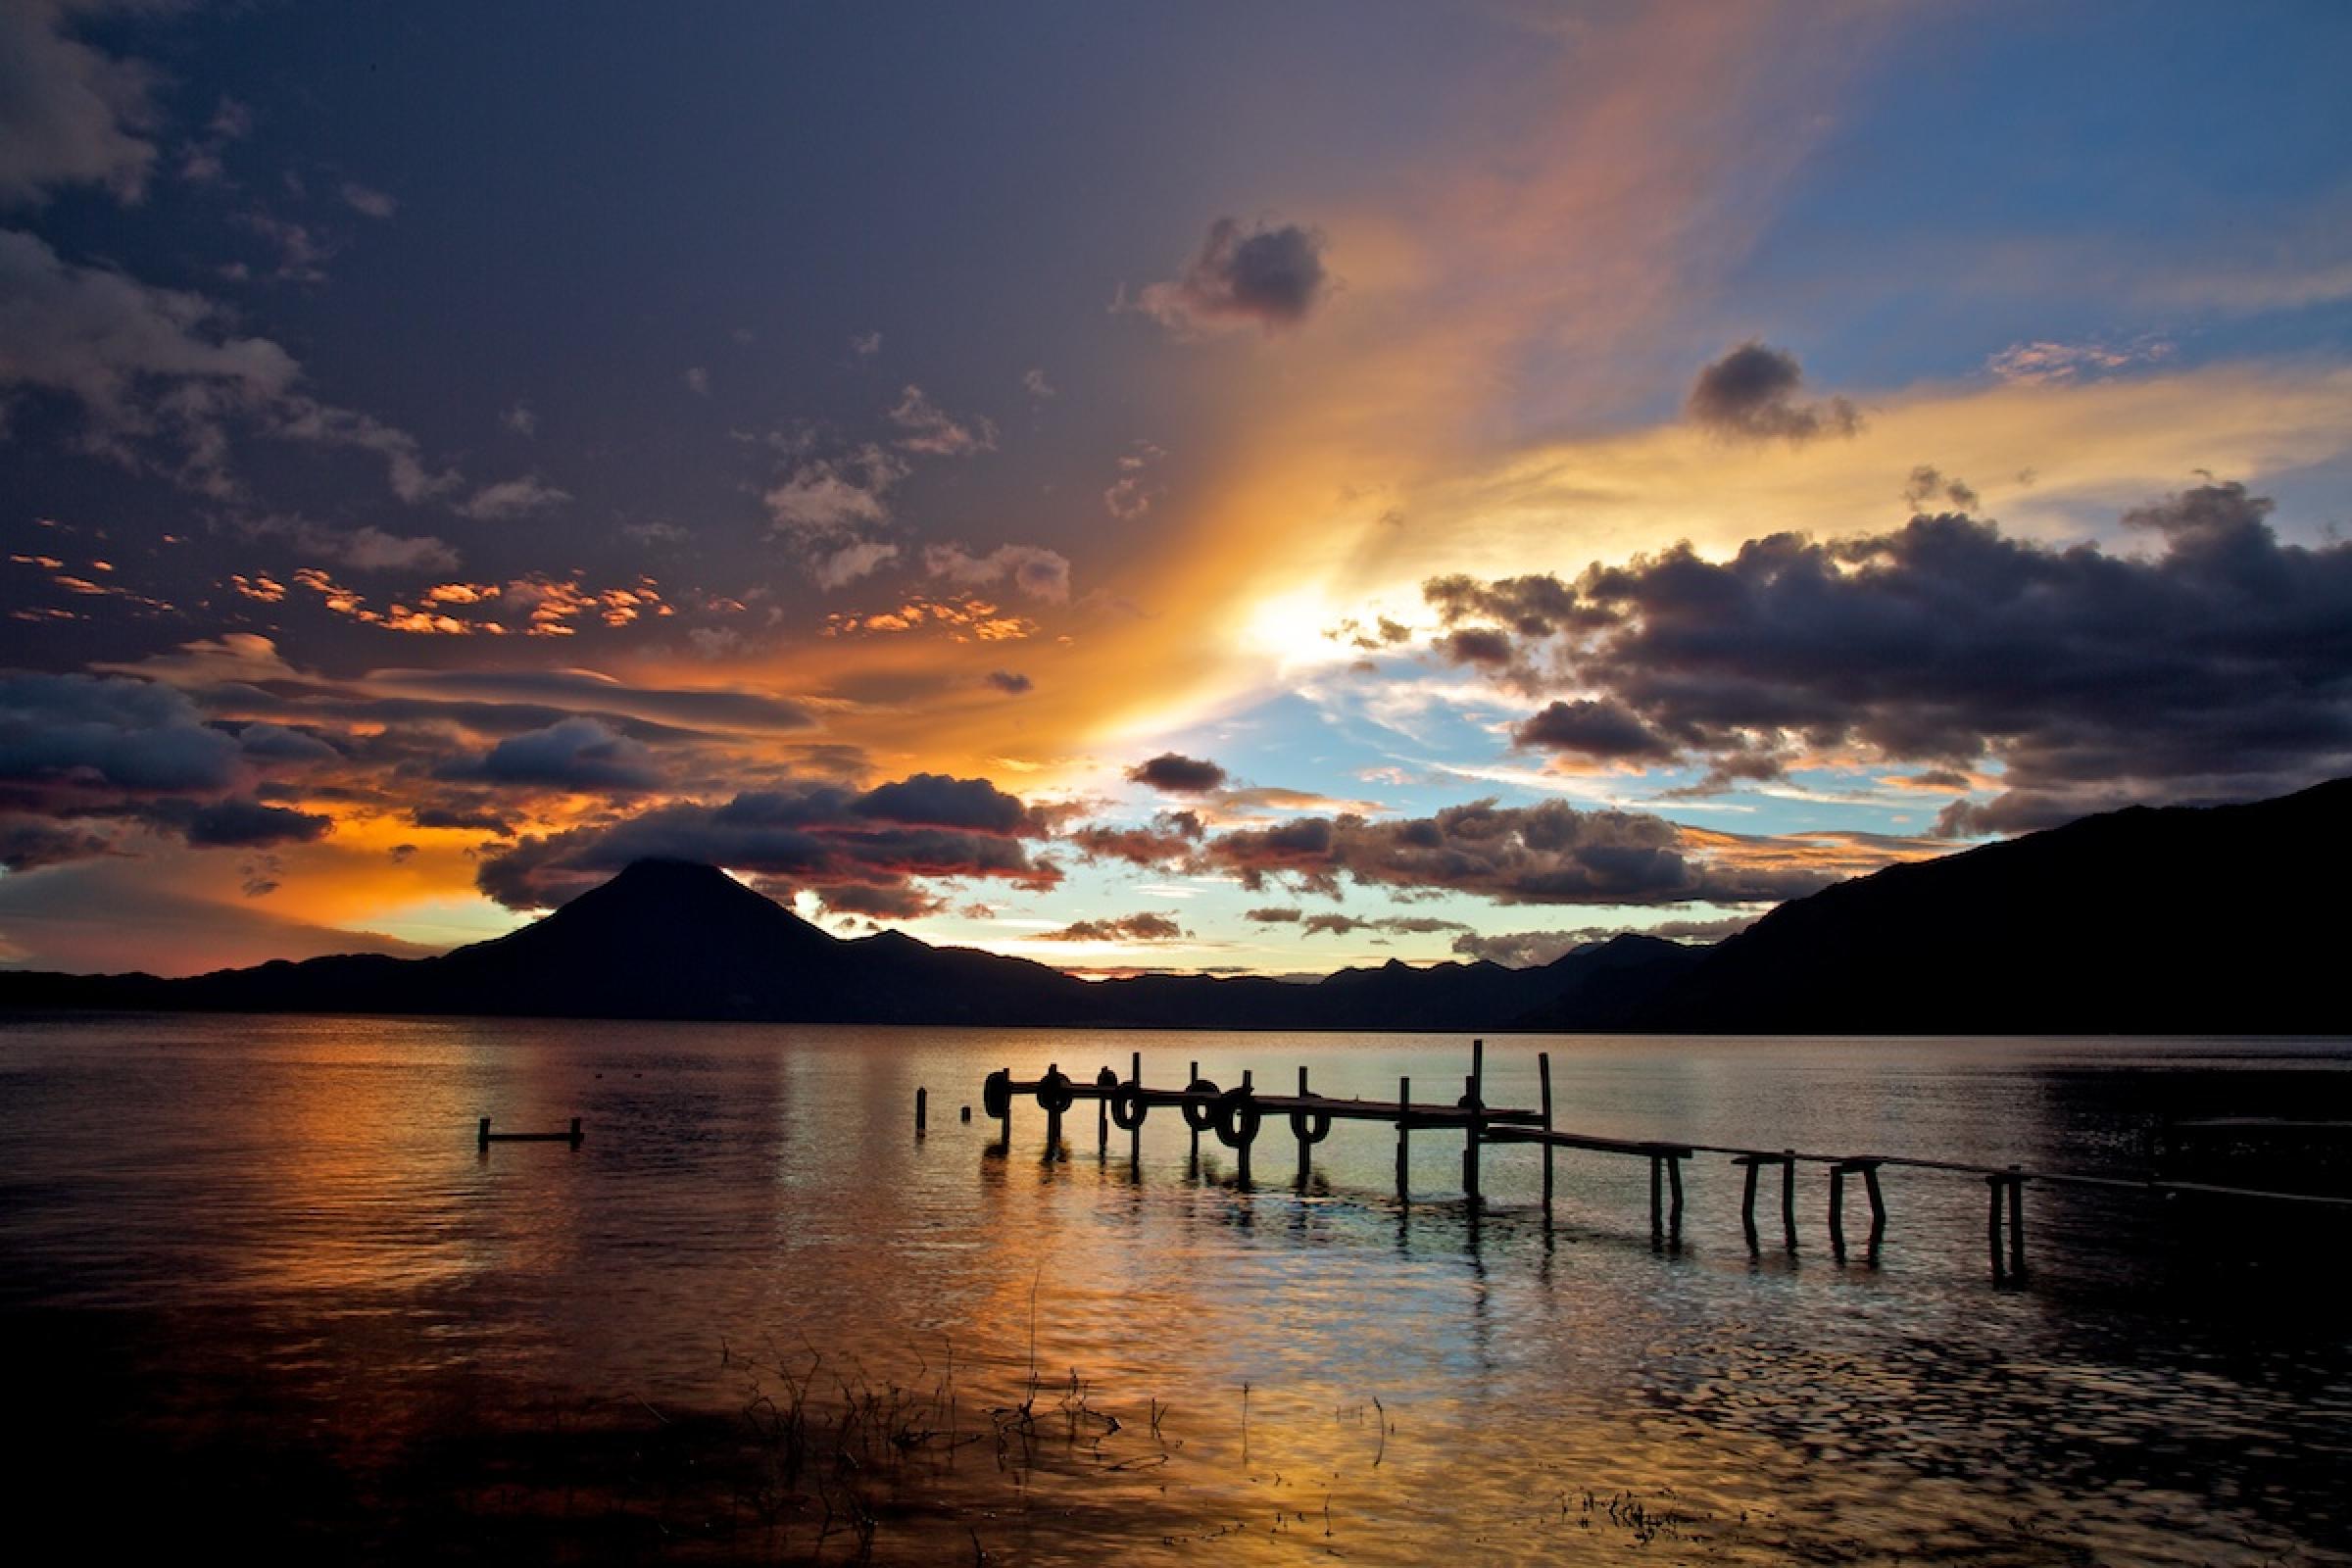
487 1137
1238 1116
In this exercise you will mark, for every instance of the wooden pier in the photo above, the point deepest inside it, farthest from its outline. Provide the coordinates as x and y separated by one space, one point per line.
1238 1116
487 1137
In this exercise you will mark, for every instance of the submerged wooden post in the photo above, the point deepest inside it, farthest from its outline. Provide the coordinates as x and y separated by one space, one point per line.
1837 1211
1052 1119
1544 1073
1657 1211
1878 1206
1188 1121
923 1109
1405 1137
2017 1223
1748 1202
1135 1134
1102 1125
1474 1097
1674 1180
1788 1198
1994 1186
576 1132
485 1144
1304 1146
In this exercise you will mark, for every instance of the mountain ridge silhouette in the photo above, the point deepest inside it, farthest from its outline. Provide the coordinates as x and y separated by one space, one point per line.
2076 930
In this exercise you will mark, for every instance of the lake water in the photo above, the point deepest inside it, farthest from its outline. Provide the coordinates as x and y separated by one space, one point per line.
259 1278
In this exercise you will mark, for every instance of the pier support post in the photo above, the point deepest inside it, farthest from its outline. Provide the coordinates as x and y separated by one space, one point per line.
1304 1146
1196 1164
1837 1212
1747 1203
922 1110
2017 1223
1135 1134
1543 1074
1657 1211
1994 1187
1242 1163
1474 1099
1674 1183
1788 1198
1877 1209
485 1138
1052 1120
576 1132
1404 1140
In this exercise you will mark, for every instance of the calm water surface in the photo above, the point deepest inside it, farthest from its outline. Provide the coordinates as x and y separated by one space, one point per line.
279 1234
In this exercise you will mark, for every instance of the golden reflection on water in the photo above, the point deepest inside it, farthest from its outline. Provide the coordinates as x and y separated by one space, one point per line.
1291 1374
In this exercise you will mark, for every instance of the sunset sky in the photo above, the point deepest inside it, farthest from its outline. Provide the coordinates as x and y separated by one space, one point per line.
1203 486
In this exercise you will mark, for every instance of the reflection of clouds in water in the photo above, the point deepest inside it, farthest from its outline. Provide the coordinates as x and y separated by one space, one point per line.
315 1182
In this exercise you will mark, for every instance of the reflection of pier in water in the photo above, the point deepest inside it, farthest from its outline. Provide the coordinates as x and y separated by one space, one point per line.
1238 1116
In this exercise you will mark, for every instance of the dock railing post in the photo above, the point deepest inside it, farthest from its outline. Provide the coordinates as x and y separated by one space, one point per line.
1543 1074
1405 1139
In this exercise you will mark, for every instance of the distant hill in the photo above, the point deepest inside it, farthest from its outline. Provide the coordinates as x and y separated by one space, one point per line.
2218 919
2221 920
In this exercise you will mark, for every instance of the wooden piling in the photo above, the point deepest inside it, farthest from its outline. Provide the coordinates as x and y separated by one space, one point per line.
2017 1223
1303 1144
923 1109
1543 1074
1674 1182
1052 1120
1747 1203
1474 1097
1789 1198
1135 1134
1994 1187
485 1144
1878 1206
1102 1130
1195 1165
1242 1163
1404 1142
1657 1210
1837 1212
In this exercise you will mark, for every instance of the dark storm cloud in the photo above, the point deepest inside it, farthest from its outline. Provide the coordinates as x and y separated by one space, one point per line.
821 836
90 734
1011 682
1268 277
1550 853
86 759
1600 731
249 824
1171 836
577 754
1753 391
1178 774
470 819
581 692
2218 667
1145 927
